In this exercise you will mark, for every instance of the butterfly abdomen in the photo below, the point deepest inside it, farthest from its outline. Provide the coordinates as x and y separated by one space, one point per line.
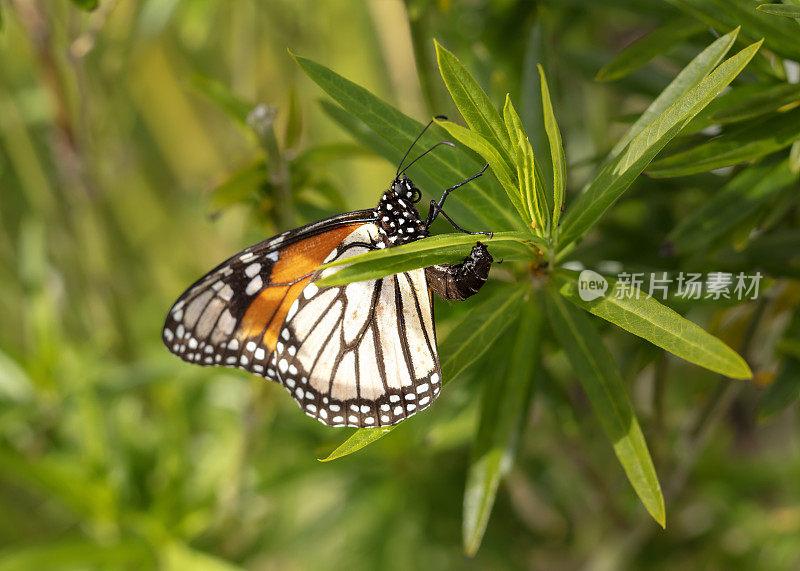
460 281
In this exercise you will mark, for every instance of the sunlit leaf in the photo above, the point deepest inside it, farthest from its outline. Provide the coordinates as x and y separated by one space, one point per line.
557 156
597 372
685 81
443 248
87 5
643 50
360 438
498 164
656 323
472 102
529 176
618 175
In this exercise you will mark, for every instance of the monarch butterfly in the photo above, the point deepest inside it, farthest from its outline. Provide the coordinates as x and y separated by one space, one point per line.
363 354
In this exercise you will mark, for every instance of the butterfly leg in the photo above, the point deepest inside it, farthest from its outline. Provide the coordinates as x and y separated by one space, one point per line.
460 281
436 207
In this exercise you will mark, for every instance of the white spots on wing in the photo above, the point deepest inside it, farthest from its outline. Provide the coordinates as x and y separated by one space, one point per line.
398 410
254 286
394 398
250 346
252 269
424 400
369 420
243 360
233 344
217 285
292 350
410 396
226 323
231 360
272 256
226 293
385 419
310 291
423 388
435 378
169 335
292 310
411 406
192 343
335 407
323 413
260 354
283 365
195 307
353 418
246 257
179 330
338 419
300 393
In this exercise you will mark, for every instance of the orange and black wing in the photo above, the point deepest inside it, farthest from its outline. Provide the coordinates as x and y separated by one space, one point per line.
232 316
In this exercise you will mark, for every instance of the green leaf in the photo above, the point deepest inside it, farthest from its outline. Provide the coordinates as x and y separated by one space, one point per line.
504 411
360 438
87 5
219 94
657 323
689 78
748 142
498 164
595 369
468 340
472 102
639 53
556 153
529 175
769 98
443 248
483 198
731 206
618 175
780 10
779 34
241 185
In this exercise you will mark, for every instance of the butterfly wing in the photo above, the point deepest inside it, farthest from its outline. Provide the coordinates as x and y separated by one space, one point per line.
232 315
363 354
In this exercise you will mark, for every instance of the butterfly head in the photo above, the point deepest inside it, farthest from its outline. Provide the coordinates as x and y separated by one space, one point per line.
396 214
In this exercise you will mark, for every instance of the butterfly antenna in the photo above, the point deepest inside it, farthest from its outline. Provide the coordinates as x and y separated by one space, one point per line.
448 143
425 128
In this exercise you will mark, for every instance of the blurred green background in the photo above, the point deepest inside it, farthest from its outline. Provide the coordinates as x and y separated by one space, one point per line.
118 187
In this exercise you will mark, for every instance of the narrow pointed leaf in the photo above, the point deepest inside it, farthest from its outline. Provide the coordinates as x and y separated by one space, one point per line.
780 10
472 102
686 80
657 323
529 175
746 143
768 99
655 43
597 372
504 410
498 164
618 175
483 197
468 340
726 210
556 153
445 248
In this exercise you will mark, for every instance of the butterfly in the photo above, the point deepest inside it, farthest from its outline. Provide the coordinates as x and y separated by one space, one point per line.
362 354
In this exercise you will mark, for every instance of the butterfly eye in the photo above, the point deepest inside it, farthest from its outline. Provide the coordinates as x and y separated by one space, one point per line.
416 195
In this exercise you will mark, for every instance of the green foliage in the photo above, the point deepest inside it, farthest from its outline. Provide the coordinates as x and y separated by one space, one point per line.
122 130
